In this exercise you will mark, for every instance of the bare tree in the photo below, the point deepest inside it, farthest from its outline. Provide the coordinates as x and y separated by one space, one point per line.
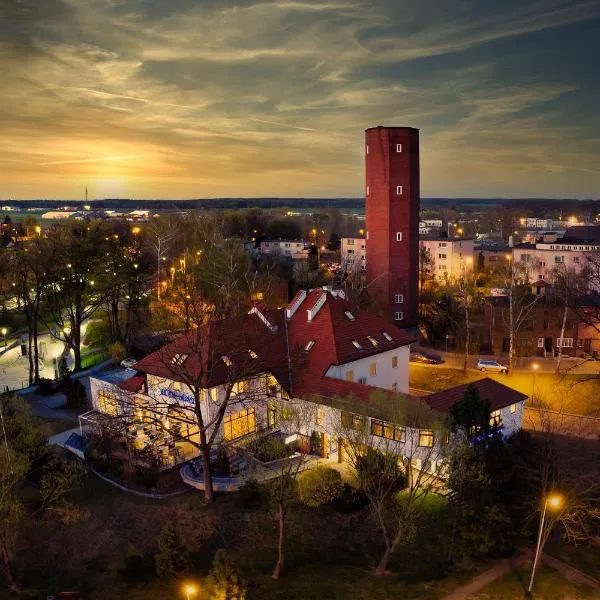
398 473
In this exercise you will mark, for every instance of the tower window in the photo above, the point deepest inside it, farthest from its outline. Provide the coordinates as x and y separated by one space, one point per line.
367 148
367 190
398 316
398 236
399 190
399 298
398 147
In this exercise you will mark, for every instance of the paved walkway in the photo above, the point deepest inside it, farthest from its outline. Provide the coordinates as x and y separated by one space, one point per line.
476 584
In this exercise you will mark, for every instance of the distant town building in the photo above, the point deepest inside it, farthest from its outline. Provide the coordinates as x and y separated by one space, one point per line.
392 220
60 214
295 249
353 253
427 226
451 258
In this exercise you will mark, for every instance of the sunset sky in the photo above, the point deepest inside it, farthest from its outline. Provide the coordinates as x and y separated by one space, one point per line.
212 98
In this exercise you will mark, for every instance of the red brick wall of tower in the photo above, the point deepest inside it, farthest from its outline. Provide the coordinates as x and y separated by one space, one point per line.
392 160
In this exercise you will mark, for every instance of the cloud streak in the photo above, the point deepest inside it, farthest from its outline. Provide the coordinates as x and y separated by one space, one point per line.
187 99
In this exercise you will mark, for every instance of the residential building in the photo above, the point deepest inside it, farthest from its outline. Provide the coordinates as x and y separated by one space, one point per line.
353 254
295 249
570 251
430 226
451 258
320 352
392 220
492 257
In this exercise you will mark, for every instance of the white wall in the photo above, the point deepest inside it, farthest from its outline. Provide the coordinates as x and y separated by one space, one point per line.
386 375
458 257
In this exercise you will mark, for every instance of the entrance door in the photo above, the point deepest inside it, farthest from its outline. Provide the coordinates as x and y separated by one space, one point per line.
587 345
548 344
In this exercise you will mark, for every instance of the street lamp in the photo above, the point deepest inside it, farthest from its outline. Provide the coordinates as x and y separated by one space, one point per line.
38 230
534 367
554 502
189 589
4 332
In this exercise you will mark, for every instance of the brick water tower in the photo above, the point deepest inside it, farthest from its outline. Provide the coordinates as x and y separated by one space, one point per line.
392 221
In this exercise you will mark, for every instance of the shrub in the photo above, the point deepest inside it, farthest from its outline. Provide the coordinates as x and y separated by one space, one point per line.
117 351
76 395
350 499
45 386
269 448
374 468
223 580
220 463
319 486
170 559
252 494
136 569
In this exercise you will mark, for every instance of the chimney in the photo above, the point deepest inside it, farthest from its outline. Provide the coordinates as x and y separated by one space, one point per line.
317 305
294 305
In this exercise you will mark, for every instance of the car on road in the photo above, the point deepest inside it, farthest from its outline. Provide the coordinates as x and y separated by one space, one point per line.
128 362
491 365
428 359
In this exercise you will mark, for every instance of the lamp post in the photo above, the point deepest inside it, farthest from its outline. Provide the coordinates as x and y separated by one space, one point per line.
534 367
4 332
189 589
553 502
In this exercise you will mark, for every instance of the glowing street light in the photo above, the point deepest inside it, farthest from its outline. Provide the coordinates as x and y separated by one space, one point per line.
189 589
38 230
361 231
553 501
136 230
534 367
4 331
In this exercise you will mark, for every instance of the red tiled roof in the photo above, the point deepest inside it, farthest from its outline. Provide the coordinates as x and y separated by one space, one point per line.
198 355
497 394
133 384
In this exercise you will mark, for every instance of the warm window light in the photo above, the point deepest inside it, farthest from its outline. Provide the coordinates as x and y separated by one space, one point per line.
135 230
535 366
508 256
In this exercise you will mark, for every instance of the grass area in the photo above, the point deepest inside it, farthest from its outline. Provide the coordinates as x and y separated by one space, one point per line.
573 393
585 558
334 560
548 585
93 358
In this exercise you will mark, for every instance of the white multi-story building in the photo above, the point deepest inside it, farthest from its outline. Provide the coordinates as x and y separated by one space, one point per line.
353 253
540 259
295 249
451 258
430 226
347 367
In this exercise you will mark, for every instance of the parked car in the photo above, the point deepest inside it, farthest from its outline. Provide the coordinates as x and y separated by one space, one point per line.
421 357
128 362
491 365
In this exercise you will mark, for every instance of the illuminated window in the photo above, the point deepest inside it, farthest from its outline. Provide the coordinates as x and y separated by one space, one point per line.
399 298
387 336
394 362
237 424
373 369
177 386
389 431
107 404
240 387
179 359
513 408
356 345
349 315
425 438
398 316
257 296
349 375
398 236
252 354
495 418
399 190
352 421
320 417
309 345
373 341
271 415
398 147
226 360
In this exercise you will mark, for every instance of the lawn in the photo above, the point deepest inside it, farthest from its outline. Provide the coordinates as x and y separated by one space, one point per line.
548 585
582 557
332 560
93 358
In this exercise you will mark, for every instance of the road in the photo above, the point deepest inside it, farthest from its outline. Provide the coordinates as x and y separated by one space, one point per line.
571 366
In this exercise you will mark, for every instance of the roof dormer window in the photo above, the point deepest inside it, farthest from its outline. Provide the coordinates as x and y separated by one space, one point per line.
357 345
350 315
179 359
309 345
226 360
373 341
387 336
252 354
